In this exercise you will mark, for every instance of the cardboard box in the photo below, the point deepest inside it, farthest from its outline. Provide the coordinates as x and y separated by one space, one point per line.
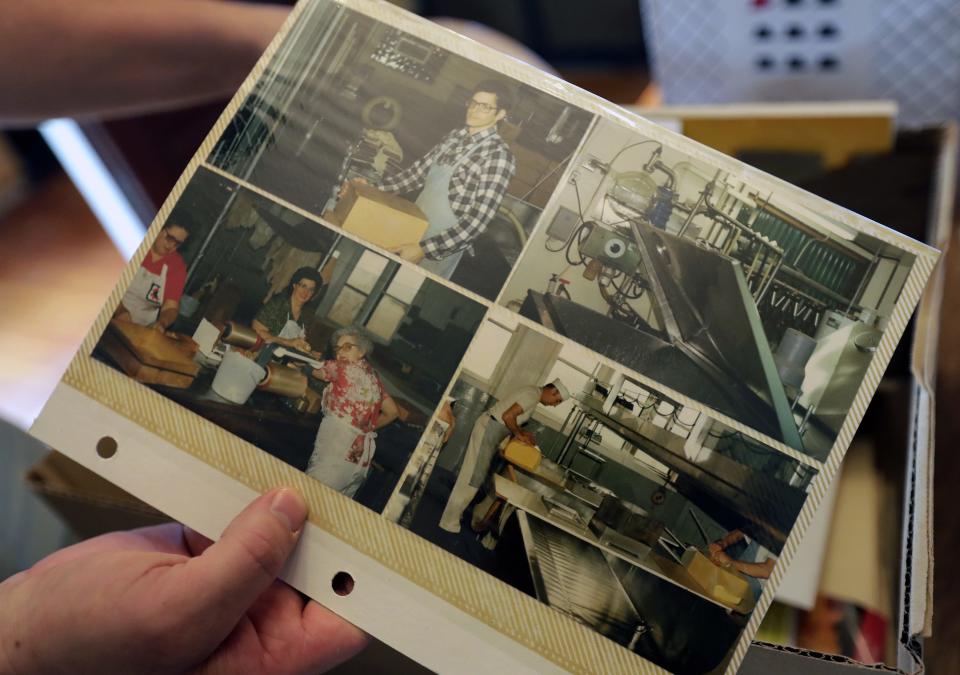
915 601
87 503
380 218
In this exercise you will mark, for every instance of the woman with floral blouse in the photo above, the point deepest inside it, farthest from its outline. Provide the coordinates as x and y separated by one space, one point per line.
355 405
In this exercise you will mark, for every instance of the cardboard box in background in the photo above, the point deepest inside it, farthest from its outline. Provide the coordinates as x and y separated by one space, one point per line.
87 503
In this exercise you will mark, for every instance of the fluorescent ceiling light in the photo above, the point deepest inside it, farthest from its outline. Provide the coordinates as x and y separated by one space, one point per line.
94 181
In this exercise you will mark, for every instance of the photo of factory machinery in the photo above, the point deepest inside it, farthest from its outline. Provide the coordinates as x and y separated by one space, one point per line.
412 148
736 297
646 520
290 336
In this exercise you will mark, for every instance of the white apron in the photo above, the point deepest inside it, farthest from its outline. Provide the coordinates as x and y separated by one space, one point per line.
292 330
144 297
328 463
434 201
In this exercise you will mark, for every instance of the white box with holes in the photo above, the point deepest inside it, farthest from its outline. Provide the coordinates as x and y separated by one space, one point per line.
809 50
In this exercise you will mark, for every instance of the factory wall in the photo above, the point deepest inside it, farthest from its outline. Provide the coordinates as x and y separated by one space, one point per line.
526 361
883 289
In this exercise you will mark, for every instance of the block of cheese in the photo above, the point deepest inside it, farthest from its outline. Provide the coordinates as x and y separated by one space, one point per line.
149 356
383 219
525 456
724 586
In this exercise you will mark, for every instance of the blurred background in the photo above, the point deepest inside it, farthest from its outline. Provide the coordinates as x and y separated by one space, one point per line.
75 199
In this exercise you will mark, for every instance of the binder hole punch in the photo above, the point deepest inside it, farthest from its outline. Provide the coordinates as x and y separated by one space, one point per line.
342 583
106 447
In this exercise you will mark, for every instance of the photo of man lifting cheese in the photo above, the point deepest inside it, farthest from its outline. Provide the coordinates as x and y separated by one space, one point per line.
460 182
504 419
404 145
569 478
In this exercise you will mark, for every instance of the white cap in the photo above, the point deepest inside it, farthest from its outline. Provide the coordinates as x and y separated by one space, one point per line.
564 392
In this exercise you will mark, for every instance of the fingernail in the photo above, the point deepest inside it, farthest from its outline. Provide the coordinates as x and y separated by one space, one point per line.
289 507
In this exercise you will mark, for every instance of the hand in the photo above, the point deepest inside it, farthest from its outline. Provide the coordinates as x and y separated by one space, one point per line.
409 252
164 599
159 327
301 345
348 183
722 559
714 548
122 314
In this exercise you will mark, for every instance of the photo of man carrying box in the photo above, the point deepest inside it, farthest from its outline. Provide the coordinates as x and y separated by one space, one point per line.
461 182
404 145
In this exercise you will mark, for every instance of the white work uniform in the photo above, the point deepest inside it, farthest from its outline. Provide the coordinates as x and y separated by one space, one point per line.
488 432
144 296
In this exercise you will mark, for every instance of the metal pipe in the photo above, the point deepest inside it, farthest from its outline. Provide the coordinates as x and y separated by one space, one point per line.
770 279
703 532
696 207
566 446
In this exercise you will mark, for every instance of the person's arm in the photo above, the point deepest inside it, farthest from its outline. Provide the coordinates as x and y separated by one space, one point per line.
325 372
101 58
388 412
509 418
122 314
446 414
413 177
167 315
269 338
758 570
725 542
264 332
475 208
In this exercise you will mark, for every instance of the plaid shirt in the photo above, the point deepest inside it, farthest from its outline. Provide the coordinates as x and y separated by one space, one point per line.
476 188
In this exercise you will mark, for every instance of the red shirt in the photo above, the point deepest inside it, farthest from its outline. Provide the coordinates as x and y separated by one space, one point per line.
176 273
354 392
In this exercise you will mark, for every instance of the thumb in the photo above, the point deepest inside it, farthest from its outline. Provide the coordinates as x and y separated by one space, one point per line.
232 573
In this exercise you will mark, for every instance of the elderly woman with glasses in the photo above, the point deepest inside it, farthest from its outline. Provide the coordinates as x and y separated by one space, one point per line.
281 319
355 405
153 297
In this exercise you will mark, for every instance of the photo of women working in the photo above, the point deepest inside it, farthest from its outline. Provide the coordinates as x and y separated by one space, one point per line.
355 405
305 343
153 297
461 182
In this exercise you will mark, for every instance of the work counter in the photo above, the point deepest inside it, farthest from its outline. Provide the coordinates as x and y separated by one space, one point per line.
627 591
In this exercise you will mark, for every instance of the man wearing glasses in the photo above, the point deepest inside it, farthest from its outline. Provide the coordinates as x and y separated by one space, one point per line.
461 181
153 297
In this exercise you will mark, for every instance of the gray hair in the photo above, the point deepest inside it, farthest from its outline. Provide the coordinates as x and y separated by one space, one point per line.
365 343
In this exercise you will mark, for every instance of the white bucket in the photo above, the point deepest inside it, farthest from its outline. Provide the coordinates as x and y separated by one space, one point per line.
237 377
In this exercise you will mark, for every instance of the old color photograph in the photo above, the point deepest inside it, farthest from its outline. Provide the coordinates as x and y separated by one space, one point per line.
295 338
423 153
648 521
